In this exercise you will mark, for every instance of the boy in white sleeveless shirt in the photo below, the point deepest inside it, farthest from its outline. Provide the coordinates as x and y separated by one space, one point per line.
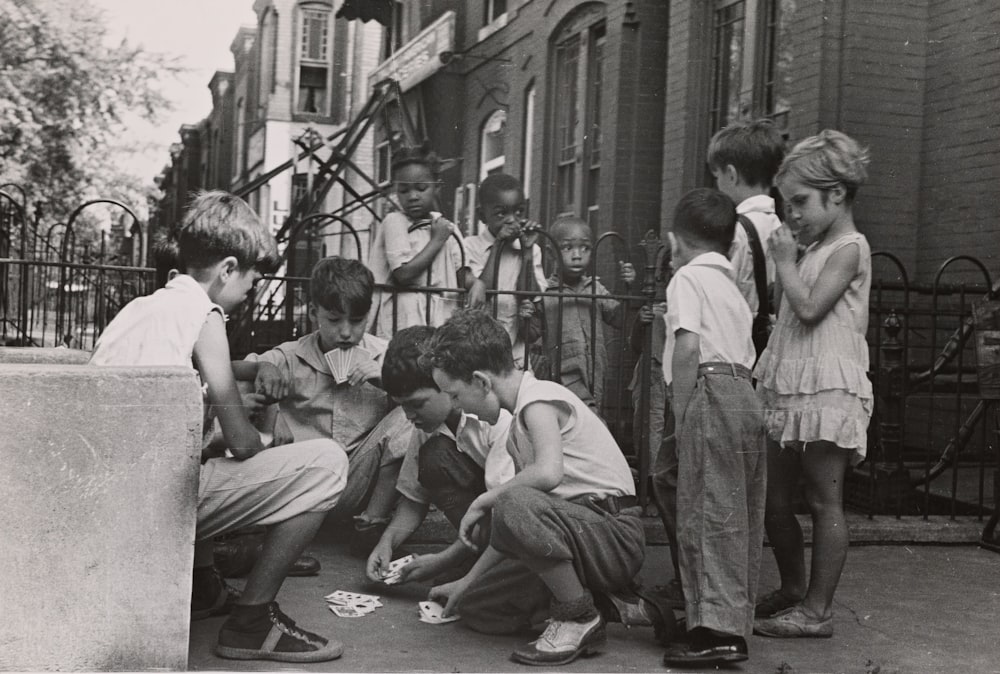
563 514
223 248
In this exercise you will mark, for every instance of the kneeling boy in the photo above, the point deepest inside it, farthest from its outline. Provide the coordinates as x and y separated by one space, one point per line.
563 514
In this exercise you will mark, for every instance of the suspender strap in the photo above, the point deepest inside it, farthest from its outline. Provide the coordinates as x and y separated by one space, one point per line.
759 266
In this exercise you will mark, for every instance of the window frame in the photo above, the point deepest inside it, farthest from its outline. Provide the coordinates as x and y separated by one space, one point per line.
303 61
487 166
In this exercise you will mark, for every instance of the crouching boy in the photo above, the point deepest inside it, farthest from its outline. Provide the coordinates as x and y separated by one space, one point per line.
453 458
563 514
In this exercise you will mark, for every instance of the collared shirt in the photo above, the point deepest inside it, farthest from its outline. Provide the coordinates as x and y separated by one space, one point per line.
702 298
477 251
484 444
759 209
159 329
316 405
593 462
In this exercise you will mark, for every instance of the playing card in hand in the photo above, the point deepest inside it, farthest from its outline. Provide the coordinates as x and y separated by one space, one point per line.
395 569
431 612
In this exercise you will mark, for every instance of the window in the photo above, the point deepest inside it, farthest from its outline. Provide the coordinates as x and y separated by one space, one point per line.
494 18
529 139
383 161
392 36
268 52
314 62
493 140
578 96
750 61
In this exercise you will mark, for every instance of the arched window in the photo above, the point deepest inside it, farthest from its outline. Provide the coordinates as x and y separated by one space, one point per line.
493 141
577 97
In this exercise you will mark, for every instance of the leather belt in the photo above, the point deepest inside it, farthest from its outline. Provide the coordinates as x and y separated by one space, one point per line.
609 504
732 369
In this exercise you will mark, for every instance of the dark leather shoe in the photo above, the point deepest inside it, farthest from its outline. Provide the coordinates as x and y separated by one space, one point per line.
702 647
235 556
640 606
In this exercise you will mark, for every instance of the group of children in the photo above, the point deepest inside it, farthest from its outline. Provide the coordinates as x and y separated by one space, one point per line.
533 480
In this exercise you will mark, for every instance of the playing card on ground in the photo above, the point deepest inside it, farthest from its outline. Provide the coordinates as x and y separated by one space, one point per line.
348 611
344 598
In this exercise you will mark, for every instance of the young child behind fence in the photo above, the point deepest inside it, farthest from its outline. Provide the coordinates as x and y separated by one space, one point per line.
812 377
356 413
416 248
743 158
720 442
570 329
498 251
222 250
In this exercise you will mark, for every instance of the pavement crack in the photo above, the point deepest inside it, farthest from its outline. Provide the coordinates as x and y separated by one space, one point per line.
859 621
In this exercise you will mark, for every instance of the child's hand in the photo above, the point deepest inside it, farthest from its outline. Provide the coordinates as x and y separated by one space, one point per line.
449 595
270 381
529 234
255 403
509 230
627 271
467 527
421 568
377 566
440 229
783 246
526 309
646 314
477 294
363 371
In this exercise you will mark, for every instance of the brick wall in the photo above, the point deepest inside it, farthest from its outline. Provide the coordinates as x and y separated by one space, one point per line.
881 104
961 150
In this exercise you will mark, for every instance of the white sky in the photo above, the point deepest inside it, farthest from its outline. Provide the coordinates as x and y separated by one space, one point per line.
197 31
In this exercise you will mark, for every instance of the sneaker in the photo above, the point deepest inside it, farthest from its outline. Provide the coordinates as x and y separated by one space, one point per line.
794 622
283 642
703 647
562 642
218 603
774 602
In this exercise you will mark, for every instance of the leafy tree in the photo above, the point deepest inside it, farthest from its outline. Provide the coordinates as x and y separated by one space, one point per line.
66 96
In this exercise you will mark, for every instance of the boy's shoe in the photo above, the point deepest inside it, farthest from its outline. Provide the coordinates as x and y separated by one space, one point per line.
639 606
366 536
218 602
672 592
283 641
774 602
794 622
562 642
703 647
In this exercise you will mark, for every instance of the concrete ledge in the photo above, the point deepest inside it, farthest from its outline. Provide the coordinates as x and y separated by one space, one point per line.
33 354
882 530
98 491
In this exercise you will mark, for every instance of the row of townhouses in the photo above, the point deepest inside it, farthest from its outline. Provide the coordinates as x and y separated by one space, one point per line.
604 109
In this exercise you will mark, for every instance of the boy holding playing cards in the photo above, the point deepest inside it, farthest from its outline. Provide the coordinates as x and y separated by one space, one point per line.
453 458
327 385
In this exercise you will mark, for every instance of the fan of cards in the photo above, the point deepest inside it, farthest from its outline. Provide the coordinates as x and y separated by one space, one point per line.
342 361
430 612
352 604
395 569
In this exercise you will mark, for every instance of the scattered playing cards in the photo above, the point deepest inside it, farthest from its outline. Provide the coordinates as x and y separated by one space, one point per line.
352 604
395 569
342 361
430 612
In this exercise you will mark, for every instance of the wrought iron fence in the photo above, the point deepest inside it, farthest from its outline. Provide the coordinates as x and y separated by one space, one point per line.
934 436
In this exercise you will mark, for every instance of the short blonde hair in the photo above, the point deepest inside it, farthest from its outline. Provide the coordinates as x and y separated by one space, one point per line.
826 160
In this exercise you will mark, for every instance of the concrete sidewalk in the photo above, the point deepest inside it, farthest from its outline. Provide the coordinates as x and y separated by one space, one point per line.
899 609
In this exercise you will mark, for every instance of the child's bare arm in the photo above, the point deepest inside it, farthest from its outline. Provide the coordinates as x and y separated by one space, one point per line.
408 516
811 305
684 366
414 272
451 593
245 370
211 358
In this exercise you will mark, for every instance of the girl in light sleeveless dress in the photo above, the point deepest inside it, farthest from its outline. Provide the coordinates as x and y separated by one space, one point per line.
813 378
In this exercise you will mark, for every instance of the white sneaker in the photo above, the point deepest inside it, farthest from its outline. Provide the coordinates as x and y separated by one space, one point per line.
562 642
